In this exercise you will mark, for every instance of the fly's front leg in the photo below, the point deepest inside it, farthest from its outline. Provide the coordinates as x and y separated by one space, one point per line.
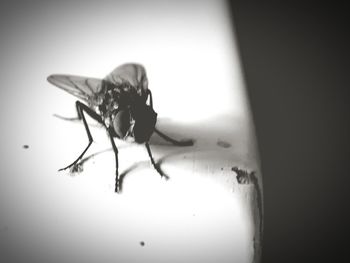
187 142
155 166
81 108
115 149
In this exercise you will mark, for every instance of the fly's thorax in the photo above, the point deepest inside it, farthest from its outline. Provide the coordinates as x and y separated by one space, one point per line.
112 99
97 99
131 73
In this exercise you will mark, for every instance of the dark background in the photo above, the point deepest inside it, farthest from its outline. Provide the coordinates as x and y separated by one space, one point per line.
295 65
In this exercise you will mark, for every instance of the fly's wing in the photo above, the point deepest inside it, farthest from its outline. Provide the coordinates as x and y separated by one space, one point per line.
84 88
131 73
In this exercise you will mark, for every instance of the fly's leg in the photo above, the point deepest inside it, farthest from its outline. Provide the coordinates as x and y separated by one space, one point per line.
67 118
115 149
81 108
155 166
188 142
78 118
150 98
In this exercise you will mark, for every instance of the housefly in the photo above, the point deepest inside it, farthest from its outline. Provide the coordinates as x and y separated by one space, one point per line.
122 103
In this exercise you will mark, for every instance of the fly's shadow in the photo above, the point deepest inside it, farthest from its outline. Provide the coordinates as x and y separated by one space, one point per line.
135 166
154 141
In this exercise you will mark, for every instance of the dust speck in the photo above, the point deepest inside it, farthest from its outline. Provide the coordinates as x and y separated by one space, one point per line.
223 144
142 243
26 146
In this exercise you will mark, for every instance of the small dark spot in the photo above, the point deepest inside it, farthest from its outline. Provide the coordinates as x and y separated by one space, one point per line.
223 144
222 169
25 146
142 243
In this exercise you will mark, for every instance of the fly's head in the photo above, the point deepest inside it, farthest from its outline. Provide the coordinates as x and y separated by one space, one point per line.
122 123
145 119
137 121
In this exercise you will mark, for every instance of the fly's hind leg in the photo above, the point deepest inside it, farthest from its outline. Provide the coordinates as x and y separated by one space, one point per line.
81 108
186 142
78 118
155 166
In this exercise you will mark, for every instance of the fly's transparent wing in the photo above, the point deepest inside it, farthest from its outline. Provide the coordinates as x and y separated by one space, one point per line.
84 88
131 73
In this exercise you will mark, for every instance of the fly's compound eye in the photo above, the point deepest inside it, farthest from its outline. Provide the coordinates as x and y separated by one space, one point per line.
145 121
122 123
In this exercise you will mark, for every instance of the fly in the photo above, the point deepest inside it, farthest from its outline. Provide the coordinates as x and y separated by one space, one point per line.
122 103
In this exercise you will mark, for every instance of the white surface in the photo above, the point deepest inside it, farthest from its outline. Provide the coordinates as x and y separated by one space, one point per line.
201 214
